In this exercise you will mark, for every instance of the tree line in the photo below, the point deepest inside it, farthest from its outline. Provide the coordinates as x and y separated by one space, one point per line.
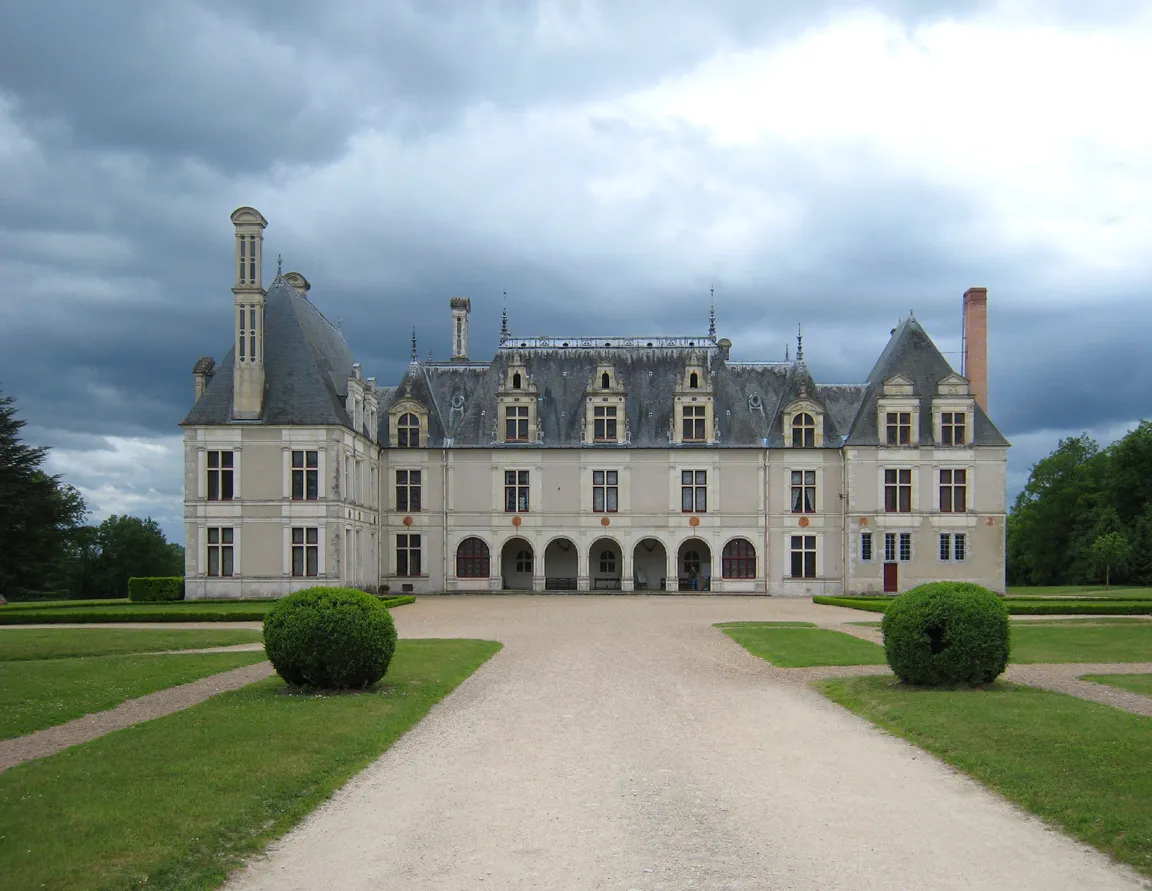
47 550
1085 515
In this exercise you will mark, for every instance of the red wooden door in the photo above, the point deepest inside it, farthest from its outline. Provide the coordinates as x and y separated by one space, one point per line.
890 580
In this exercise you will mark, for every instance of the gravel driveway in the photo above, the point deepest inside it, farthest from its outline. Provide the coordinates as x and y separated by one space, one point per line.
623 743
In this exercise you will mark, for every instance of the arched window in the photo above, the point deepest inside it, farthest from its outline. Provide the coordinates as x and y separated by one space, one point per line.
739 560
605 381
803 431
408 431
516 381
694 381
692 562
523 561
607 561
472 559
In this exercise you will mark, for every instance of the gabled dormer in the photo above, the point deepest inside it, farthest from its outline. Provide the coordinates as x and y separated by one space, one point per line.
605 420
694 415
407 424
953 409
516 420
803 424
898 413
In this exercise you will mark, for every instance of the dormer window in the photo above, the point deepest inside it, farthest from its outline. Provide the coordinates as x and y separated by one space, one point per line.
693 383
605 381
803 431
695 423
408 431
952 428
604 423
516 423
899 424
517 381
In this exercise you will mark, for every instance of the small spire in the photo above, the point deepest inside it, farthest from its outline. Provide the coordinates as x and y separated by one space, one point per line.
799 344
279 264
429 354
787 355
504 320
712 315
414 343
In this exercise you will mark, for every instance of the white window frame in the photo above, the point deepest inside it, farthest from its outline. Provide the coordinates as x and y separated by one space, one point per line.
234 545
804 534
867 536
319 545
817 502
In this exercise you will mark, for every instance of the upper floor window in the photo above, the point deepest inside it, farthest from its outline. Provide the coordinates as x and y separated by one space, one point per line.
694 491
516 491
953 491
605 381
517 381
952 428
693 381
220 556
899 428
408 431
695 420
604 423
220 476
898 491
605 491
803 431
408 490
305 475
738 560
516 423
803 491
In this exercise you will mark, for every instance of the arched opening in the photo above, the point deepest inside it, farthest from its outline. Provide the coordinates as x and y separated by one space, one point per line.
605 381
408 431
516 381
693 381
649 564
561 565
605 565
738 561
803 431
473 560
516 565
694 565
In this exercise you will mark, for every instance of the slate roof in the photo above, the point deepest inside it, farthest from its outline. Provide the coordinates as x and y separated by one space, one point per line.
306 368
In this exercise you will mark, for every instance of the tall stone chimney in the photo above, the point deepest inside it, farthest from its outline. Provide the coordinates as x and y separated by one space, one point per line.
461 307
976 343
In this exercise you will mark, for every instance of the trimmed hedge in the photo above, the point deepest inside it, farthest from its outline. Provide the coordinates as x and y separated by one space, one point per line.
330 638
156 590
947 633
1017 606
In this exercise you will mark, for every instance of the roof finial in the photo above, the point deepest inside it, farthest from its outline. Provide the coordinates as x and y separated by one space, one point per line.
414 359
712 315
799 344
504 320
787 355
279 263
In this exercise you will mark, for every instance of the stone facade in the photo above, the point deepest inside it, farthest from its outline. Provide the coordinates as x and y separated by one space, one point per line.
581 464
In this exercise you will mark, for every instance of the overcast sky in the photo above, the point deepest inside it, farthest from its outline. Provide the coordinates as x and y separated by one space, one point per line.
830 164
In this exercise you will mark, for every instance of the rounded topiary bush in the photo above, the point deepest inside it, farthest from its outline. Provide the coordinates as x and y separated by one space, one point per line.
946 633
333 638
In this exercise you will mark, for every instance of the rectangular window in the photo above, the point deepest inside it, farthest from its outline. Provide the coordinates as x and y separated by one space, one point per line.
220 556
803 491
305 475
953 491
305 551
694 491
959 546
408 555
605 491
899 428
898 491
604 423
243 258
952 428
243 329
408 490
945 546
252 259
516 423
803 556
889 547
694 418
516 491
866 546
252 333
905 546
220 481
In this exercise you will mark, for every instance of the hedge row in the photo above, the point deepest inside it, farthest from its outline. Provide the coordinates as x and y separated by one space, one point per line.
156 589
188 611
1018 607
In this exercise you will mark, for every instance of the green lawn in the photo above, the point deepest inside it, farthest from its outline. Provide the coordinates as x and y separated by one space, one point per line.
18 644
1024 606
1083 592
1079 765
35 695
178 611
799 647
1051 643
176 803
1133 683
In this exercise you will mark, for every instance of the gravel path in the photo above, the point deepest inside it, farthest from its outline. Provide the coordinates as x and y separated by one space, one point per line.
622 743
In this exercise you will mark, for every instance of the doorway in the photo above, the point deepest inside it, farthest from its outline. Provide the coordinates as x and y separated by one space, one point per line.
891 581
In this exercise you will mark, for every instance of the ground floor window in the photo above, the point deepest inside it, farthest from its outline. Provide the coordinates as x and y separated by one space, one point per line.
305 551
803 556
738 560
472 559
523 561
905 546
953 546
220 554
866 546
897 546
408 554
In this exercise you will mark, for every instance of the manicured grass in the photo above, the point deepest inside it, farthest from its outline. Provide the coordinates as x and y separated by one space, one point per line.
799 647
35 695
179 611
1079 765
1048 643
1133 683
22 605
723 625
176 803
1016 606
1088 620
1083 592
19 644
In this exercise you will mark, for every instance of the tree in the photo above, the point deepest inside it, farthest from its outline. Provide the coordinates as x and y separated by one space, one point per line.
129 546
38 513
1108 550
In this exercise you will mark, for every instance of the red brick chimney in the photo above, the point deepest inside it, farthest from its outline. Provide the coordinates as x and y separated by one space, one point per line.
976 343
